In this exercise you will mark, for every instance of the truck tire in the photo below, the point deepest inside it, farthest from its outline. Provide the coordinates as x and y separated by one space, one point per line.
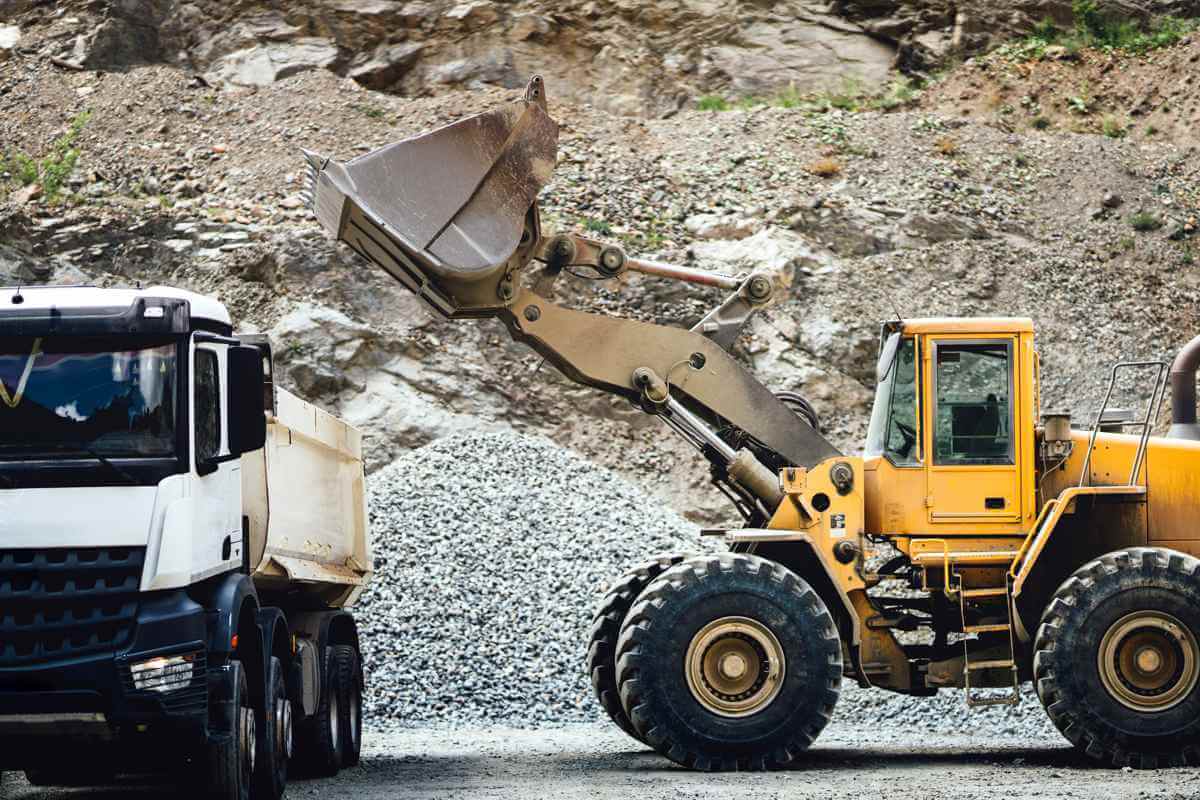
274 737
319 739
606 627
1117 660
350 684
228 766
729 662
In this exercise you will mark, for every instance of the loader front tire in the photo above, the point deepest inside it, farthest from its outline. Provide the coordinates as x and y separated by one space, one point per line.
729 662
1117 658
606 627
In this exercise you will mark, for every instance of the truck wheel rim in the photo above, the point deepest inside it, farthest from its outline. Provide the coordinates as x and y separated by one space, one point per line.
333 720
1149 661
355 719
735 666
283 731
249 741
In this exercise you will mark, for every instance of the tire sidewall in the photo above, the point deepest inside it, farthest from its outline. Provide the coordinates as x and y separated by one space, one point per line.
808 655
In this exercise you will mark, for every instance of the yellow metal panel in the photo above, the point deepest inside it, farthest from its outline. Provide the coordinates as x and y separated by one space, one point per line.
961 325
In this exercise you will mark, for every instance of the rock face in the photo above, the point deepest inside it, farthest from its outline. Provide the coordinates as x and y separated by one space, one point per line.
623 57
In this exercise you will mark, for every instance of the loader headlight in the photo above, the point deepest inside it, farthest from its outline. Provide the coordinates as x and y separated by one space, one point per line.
163 673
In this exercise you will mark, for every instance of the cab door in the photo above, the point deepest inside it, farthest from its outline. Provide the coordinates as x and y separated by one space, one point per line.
973 472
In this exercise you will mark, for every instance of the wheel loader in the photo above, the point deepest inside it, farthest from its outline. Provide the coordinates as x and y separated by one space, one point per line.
976 543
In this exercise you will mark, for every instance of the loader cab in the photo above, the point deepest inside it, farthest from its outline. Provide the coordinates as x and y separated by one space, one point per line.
950 443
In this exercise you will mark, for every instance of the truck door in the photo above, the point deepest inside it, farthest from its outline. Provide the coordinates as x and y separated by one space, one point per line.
216 481
973 476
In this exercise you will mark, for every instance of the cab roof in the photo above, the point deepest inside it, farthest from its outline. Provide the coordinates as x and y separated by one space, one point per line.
84 297
968 325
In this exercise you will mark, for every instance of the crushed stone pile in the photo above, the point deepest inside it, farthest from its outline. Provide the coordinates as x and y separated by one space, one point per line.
492 552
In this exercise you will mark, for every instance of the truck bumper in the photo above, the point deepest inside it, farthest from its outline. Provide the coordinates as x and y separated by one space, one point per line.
94 700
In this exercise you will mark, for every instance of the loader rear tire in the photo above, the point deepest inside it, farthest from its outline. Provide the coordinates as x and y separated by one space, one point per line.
1117 659
606 627
729 662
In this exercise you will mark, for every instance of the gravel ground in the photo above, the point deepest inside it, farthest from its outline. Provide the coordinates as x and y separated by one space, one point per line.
600 763
493 551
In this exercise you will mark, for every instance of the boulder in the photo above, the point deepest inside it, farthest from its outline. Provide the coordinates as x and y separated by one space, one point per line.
265 64
318 346
9 36
473 16
770 250
128 34
529 26
386 65
717 226
493 68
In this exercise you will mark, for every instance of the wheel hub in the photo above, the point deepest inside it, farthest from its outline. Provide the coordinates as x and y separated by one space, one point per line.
1149 661
734 666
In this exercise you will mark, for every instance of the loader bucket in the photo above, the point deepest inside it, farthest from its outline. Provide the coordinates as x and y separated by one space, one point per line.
446 207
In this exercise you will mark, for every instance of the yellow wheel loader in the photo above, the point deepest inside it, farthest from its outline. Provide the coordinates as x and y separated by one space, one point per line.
1025 549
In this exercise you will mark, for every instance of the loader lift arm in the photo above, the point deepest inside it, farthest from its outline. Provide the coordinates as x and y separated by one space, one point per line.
453 215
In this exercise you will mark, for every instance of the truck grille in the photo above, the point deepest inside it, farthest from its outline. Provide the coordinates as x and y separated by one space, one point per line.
65 602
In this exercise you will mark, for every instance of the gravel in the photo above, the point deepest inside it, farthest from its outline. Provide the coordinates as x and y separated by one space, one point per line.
492 552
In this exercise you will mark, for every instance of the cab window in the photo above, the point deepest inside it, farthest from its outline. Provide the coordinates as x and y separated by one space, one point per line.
208 406
894 429
973 411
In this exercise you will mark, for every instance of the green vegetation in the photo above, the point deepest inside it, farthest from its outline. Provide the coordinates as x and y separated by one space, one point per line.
1095 28
1151 130
54 169
1186 258
374 112
597 226
712 102
1040 123
1112 129
1145 221
852 96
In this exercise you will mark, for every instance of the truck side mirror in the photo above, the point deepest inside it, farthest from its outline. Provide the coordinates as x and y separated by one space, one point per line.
247 418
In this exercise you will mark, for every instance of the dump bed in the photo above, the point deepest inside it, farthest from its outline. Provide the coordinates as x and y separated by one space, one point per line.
304 493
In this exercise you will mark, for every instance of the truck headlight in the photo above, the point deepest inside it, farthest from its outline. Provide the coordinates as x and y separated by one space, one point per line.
163 673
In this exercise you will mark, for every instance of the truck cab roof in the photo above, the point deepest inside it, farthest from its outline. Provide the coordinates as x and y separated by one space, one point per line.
202 312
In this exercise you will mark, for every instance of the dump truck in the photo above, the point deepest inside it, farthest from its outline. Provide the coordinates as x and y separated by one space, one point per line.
977 543
180 544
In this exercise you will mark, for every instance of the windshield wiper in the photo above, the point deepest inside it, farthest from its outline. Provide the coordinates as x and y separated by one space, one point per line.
103 459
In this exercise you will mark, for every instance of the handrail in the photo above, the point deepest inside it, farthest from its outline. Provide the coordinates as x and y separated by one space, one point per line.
1049 506
1157 395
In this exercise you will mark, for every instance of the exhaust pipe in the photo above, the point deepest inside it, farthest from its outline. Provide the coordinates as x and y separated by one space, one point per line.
1183 392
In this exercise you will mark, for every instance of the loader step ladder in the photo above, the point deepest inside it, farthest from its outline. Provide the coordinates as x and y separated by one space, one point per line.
989 596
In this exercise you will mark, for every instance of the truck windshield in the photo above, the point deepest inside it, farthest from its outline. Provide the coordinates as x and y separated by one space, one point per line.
67 395
893 431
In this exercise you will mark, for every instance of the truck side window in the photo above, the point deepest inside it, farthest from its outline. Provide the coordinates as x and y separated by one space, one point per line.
208 406
974 412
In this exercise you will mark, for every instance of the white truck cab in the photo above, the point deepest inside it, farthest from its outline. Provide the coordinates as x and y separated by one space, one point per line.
153 609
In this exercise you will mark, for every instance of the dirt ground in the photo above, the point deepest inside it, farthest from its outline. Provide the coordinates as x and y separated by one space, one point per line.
597 761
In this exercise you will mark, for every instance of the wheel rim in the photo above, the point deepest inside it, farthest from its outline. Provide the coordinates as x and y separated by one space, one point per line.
249 741
283 727
735 666
355 718
333 719
1149 661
